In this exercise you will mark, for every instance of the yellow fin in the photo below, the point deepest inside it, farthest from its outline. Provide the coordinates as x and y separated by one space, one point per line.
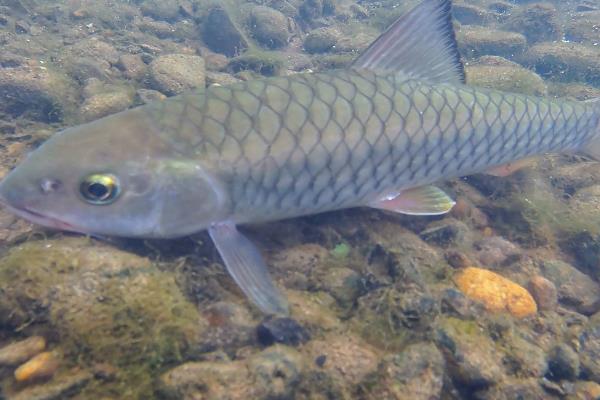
423 200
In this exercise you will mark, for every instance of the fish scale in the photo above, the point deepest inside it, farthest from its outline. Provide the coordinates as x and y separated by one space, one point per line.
301 144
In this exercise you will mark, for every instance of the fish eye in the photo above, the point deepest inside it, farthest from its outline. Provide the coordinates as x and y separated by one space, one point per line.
99 188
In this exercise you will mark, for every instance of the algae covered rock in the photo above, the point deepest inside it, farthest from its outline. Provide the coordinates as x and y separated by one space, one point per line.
345 357
175 73
474 41
321 40
565 61
575 289
415 373
584 27
102 304
266 63
269 27
501 74
221 34
43 94
589 341
103 104
496 292
472 357
270 374
538 22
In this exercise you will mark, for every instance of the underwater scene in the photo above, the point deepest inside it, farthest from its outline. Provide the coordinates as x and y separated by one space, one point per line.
233 199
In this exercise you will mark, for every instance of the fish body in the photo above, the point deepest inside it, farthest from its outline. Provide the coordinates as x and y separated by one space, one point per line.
377 134
307 143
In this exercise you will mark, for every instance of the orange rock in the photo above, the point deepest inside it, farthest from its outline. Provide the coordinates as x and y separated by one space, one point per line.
41 366
495 292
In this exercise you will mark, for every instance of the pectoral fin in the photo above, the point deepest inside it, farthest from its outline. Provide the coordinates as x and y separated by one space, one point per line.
247 267
424 200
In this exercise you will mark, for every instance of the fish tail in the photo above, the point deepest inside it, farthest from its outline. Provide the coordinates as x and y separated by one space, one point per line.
592 147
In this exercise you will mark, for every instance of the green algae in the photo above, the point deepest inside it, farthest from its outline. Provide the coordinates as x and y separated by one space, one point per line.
102 305
266 63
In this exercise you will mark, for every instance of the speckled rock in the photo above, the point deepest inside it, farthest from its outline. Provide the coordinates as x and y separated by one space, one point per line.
167 10
585 390
321 40
132 65
297 264
281 330
347 358
230 327
221 34
472 358
497 251
391 318
18 352
416 373
60 387
470 14
563 362
474 41
344 284
565 61
584 27
39 93
496 292
538 22
575 289
273 373
90 58
447 232
175 73
544 292
589 351
220 78
572 177
501 74
103 104
529 389
269 27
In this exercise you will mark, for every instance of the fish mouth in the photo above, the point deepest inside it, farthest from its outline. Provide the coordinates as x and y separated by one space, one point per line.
37 218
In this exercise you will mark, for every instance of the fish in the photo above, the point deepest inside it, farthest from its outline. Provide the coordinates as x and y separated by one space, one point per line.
380 134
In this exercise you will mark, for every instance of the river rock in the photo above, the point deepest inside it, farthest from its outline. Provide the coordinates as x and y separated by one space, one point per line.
474 41
565 61
269 27
589 351
416 373
176 73
21 351
575 289
103 104
221 34
544 292
498 73
472 358
538 22
563 362
496 292
43 94
584 27
321 40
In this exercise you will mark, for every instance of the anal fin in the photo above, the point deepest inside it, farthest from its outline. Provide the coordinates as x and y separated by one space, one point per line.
247 267
423 200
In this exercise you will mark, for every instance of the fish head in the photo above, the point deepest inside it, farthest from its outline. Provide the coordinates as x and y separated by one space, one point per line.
111 177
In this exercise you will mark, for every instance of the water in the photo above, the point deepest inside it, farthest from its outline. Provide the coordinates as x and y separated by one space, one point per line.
382 306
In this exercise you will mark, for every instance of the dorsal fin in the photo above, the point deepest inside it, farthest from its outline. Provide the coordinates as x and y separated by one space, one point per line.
420 44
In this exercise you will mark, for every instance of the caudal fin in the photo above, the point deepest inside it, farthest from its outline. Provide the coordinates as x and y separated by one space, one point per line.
592 147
